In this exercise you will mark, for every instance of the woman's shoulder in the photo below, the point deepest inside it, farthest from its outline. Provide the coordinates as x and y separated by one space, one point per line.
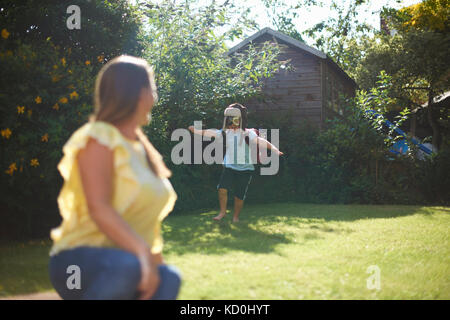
103 132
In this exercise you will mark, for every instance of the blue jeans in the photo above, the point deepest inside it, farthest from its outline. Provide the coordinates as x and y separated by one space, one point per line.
106 274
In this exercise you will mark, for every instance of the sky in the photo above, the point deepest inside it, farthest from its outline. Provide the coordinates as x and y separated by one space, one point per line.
308 18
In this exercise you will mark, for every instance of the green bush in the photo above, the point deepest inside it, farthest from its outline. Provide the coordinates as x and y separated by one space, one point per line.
46 97
47 78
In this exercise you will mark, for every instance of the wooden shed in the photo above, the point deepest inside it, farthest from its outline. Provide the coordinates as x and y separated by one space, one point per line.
310 87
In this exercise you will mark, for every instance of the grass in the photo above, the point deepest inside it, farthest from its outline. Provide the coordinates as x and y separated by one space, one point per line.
286 251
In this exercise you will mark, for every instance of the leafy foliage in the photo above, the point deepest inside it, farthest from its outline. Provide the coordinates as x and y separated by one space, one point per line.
427 15
47 78
344 36
416 58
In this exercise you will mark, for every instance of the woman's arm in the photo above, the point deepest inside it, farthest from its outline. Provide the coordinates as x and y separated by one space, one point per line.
158 258
96 167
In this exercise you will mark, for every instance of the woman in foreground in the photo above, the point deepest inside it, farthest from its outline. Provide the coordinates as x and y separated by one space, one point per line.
116 192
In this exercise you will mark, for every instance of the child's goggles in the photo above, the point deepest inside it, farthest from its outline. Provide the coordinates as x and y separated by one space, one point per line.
232 116
233 120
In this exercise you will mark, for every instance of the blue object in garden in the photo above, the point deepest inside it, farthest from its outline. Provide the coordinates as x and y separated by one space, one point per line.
402 133
400 147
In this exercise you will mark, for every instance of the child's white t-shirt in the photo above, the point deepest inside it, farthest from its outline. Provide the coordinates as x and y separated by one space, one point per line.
238 155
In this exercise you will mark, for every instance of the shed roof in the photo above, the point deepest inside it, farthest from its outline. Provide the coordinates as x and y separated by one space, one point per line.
442 100
294 43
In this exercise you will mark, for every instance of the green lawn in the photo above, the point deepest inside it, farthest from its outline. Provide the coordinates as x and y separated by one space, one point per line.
286 251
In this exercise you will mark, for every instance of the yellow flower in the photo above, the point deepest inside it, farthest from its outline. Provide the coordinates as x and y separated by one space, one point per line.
87 62
5 34
74 95
44 138
100 58
20 109
69 71
56 107
63 61
11 169
55 66
6 133
38 100
34 162
63 100
55 78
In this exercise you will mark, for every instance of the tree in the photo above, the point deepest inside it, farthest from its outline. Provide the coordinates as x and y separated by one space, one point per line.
416 58
282 17
34 21
195 76
431 15
47 75
343 37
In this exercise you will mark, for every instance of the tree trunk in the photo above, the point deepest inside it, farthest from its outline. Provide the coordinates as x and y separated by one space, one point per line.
432 121
413 124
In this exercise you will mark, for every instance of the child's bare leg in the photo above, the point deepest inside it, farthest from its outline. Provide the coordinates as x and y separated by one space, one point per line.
238 204
223 197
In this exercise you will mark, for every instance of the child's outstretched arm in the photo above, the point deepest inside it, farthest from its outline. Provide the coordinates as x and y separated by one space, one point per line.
263 143
208 132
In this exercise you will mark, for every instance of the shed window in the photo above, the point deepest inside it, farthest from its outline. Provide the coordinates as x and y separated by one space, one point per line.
334 90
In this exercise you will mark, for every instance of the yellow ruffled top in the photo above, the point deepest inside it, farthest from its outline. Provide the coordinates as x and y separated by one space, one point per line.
140 197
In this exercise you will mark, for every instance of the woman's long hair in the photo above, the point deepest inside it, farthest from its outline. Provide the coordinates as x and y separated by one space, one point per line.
117 92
